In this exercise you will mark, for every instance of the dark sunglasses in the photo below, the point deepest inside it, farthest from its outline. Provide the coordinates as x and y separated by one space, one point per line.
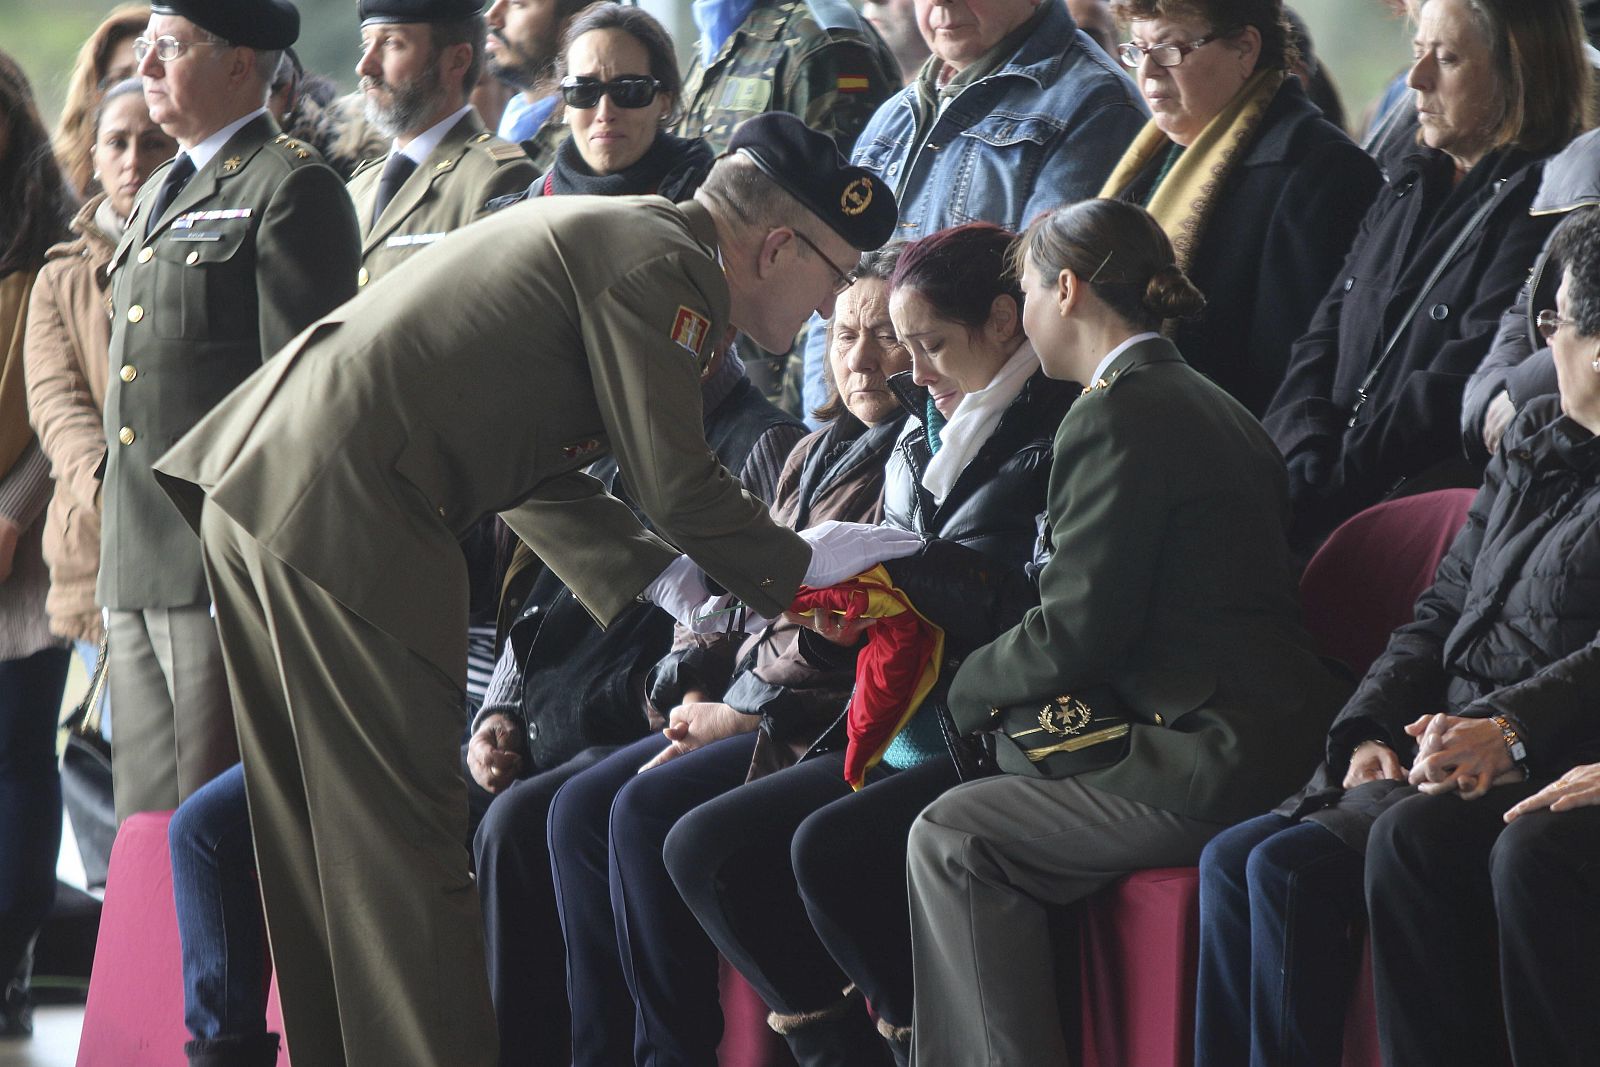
630 90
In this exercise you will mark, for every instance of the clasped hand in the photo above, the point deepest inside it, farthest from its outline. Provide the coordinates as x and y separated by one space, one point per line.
696 725
1458 754
494 755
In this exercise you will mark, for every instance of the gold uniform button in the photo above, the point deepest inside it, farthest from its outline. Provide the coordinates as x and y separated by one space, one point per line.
192 258
135 313
362 277
126 435
146 255
129 372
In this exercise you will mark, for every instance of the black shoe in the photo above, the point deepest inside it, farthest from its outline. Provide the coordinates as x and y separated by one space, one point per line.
257 1050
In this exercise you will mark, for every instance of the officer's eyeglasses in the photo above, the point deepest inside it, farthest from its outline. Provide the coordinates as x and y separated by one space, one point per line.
1163 55
1549 322
843 279
167 48
630 90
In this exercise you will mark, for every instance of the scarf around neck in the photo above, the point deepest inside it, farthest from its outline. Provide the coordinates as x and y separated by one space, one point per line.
1183 199
974 421
569 174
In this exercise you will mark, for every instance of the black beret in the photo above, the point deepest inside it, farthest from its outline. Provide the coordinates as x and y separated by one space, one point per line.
264 24
418 10
807 164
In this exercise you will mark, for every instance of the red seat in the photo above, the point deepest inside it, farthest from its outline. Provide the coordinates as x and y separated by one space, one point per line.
1139 938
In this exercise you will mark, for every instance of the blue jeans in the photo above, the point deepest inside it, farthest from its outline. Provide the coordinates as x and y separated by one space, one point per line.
30 799
1278 900
220 923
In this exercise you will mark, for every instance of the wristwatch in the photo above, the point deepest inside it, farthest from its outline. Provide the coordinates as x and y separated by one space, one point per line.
1514 743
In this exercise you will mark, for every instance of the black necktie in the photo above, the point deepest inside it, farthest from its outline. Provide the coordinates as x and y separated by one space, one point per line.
395 173
182 170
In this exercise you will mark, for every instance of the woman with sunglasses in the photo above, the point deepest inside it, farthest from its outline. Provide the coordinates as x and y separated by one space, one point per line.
621 88
1260 195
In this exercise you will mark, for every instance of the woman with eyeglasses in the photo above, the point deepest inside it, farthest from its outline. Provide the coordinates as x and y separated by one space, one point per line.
1370 405
621 88
1260 195
1488 695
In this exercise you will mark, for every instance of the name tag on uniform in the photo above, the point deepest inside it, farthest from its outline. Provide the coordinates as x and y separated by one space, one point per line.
188 219
195 235
405 240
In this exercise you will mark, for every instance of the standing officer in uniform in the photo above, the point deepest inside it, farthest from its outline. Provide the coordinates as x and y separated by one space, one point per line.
420 60
235 247
336 481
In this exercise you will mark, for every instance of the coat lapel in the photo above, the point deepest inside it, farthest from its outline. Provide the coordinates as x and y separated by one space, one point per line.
440 161
227 163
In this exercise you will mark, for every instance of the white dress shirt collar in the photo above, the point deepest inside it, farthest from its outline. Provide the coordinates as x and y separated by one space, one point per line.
1105 364
206 150
422 145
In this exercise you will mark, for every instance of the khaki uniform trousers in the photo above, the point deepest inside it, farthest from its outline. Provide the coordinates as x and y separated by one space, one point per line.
987 860
351 746
174 728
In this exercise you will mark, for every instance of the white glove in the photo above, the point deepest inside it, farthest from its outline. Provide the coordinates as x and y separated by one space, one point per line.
841 550
680 590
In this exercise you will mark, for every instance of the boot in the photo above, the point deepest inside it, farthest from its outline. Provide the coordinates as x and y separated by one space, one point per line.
16 1000
839 1035
255 1050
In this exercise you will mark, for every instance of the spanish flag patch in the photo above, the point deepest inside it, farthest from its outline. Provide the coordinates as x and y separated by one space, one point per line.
689 329
853 83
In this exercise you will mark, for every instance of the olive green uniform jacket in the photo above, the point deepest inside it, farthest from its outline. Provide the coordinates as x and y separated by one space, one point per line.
1170 583
365 449
817 59
259 244
469 167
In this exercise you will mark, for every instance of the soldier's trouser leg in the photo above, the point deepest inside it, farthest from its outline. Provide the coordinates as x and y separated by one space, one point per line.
986 861
350 744
174 730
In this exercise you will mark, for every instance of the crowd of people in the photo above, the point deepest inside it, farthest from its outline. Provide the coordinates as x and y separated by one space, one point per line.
549 520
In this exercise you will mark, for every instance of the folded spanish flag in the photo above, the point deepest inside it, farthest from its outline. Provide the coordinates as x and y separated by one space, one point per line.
894 672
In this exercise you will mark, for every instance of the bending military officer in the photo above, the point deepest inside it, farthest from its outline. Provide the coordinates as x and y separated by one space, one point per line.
419 62
239 244
330 489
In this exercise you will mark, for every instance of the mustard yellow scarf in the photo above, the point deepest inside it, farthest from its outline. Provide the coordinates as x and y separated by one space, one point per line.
1183 201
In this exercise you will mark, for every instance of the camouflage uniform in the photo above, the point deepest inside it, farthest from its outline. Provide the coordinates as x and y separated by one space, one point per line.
817 59
541 147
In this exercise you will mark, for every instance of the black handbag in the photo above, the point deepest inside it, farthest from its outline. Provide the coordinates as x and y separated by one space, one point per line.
1063 737
86 779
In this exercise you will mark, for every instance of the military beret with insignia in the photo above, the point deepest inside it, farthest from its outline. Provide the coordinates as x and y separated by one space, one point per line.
263 24
807 165
418 10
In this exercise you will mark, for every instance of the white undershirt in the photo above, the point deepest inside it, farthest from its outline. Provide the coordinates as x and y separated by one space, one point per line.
206 150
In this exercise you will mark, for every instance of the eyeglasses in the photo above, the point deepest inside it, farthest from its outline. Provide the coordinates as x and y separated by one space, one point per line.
843 279
1549 322
168 48
630 90
1163 55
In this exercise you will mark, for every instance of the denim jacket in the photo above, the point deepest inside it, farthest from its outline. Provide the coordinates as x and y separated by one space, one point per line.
1043 130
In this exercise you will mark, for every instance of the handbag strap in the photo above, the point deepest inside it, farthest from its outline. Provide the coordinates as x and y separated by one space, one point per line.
85 718
1439 268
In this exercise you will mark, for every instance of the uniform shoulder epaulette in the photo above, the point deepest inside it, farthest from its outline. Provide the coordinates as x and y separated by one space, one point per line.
506 152
1103 384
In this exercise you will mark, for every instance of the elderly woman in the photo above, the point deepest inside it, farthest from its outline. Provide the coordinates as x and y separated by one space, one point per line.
65 352
979 479
1259 193
621 87
1371 402
1163 685
1508 644
1486 696
34 209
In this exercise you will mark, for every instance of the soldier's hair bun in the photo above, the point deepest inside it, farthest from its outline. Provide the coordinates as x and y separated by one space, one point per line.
1171 295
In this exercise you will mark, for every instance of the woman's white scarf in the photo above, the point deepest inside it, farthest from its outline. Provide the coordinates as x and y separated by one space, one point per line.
974 421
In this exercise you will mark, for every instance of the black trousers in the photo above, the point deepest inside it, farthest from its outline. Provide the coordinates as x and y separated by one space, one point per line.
1446 880
30 799
802 883
522 933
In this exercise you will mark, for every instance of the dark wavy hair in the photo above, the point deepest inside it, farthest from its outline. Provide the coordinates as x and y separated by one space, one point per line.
960 271
1576 245
643 27
35 204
